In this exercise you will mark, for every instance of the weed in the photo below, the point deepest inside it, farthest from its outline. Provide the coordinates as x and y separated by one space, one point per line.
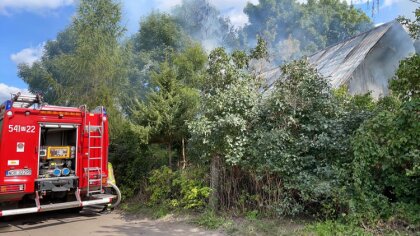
327 228
210 220
252 215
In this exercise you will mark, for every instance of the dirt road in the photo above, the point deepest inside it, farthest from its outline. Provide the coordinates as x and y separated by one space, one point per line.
89 222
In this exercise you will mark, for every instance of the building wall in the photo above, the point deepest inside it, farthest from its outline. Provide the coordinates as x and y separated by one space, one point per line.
380 64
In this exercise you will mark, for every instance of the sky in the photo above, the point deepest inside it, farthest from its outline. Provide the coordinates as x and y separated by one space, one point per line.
25 26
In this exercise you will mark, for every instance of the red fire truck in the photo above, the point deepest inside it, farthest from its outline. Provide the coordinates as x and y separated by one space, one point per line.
52 157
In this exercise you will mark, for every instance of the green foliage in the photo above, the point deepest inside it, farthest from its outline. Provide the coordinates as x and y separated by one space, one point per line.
311 26
132 158
190 65
227 107
299 148
296 125
386 166
327 22
178 189
210 220
406 85
252 215
413 26
160 181
85 64
204 23
138 208
260 51
159 37
272 20
193 191
335 228
167 106
159 212
159 116
158 31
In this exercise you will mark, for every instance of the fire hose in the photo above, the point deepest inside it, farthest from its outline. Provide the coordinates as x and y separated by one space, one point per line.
118 192
112 183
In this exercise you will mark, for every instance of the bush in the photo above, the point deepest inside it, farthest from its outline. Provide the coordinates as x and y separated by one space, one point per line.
178 189
193 192
210 220
387 157
160 183
302 136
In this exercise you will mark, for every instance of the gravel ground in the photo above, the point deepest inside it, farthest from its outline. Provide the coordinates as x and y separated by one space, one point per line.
90 222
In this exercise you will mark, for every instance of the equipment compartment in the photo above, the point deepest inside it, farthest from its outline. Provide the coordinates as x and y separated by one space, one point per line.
57 152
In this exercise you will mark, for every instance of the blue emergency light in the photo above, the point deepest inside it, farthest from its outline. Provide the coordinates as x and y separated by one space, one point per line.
8 105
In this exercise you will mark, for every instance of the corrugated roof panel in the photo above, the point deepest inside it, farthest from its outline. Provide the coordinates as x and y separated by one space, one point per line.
338 62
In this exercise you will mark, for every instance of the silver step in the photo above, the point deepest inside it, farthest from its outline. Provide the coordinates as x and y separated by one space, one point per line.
58 206
93 169
95 191
103 195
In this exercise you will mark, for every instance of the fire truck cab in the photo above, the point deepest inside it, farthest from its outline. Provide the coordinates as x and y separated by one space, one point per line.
51 157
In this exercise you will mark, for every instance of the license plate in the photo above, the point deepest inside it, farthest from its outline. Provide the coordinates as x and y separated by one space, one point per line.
19 172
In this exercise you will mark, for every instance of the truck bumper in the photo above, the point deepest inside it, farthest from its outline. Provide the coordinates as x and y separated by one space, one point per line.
102 199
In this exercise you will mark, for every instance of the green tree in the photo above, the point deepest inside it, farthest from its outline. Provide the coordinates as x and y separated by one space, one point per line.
172 99
158 31
386 166
203 22
219 133
327 22
190 65
406 85
47 76
413 26
159 37
166 108
273 20
296 125
311 26
86 64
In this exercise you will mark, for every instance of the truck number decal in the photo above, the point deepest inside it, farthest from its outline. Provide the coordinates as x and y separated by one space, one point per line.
22 128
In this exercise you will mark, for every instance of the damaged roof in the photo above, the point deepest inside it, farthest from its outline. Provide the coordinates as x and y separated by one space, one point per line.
337 62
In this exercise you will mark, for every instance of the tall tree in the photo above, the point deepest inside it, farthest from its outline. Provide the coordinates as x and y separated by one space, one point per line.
172 99
166 108
86 64
157 39
292 29
273 20
327 22
204 23
229 96
158 31
46 76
